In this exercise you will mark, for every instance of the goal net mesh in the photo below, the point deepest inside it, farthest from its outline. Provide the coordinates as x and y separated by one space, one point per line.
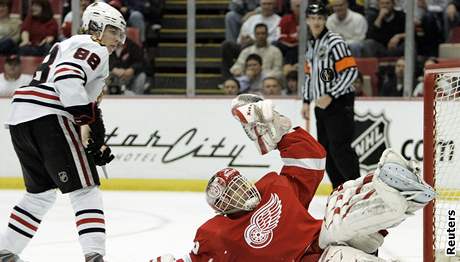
446 167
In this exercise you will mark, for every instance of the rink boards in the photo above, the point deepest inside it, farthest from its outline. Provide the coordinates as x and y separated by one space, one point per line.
178 143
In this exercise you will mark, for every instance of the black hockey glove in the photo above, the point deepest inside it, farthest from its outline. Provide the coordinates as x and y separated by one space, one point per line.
83 114
100 158
97 130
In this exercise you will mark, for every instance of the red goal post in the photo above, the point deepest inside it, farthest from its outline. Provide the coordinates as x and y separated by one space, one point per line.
441 166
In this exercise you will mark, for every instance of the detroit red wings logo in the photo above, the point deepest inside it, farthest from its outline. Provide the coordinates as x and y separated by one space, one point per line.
260 232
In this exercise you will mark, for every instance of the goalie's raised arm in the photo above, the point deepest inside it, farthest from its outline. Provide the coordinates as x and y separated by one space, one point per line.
261 122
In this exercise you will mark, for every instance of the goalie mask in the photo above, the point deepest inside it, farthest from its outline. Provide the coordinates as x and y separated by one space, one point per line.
229 192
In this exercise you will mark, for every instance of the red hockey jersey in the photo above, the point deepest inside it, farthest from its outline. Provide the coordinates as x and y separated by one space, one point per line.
280 227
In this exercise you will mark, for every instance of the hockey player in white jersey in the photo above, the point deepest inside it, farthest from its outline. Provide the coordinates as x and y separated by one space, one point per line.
46 122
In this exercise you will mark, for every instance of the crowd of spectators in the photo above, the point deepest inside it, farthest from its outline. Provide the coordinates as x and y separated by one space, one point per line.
261 39
372 28
36 27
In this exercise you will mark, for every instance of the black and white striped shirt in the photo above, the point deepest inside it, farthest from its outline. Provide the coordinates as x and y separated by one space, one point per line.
329 67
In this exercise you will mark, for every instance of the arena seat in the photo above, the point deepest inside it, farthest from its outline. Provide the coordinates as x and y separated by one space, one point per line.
369 66
134 34
367 85
449 50
2 62
447 60
16 8
56 5
454 36
30 63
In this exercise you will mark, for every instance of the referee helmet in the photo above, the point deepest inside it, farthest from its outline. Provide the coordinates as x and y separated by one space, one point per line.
317 8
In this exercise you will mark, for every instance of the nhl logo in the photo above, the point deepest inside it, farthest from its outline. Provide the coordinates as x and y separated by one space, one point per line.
327 75
370 139
63 176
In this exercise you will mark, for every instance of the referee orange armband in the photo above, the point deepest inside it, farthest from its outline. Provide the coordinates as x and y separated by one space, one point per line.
345 63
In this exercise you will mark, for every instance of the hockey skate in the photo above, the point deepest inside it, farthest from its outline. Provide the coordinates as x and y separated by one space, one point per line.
7 256
404 176
93 257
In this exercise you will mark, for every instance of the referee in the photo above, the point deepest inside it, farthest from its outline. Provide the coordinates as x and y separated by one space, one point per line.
329 73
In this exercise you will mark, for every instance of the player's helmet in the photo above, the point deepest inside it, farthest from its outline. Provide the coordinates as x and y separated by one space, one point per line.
317 8
98 15
230 192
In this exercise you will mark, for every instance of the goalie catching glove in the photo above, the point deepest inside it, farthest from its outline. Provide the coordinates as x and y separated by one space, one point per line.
261 122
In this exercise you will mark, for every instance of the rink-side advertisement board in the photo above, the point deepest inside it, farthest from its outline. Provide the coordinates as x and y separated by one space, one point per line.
174 140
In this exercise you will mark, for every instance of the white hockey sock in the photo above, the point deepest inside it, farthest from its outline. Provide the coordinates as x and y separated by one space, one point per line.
25 220
89 214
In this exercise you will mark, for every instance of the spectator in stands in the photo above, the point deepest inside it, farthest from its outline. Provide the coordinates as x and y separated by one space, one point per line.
126 69
452 16
268 17
429 30
152 10
270 54
231 50
385 36
358 5
418 91
39 30
231 87
67 23
352 26
289 40
240 11
133 18
251 81
358 84
9 29
12 78
393 81
292 83
271 86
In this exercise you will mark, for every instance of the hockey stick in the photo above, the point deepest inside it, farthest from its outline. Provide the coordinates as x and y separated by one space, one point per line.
104 170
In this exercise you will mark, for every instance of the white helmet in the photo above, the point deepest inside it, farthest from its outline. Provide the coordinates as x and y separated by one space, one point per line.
98 15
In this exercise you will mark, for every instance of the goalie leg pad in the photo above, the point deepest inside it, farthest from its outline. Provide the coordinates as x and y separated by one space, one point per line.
404 175
367 243
407 182
359 208
347 254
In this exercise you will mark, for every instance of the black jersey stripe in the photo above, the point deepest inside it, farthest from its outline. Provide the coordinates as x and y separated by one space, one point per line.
29 215
68 76
86 211
91 230
33 101
20 231
74 65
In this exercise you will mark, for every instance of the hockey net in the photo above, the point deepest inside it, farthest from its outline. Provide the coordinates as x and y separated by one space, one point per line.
442 162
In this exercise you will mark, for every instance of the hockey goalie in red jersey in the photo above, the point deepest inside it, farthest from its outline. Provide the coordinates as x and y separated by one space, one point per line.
269 220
